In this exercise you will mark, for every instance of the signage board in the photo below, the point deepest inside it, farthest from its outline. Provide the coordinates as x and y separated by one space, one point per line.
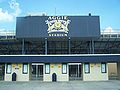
57 26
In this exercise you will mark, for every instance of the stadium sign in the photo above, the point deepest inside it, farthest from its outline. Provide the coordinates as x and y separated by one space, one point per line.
58 25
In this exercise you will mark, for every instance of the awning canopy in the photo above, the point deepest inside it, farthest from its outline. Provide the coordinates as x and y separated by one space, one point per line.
60 58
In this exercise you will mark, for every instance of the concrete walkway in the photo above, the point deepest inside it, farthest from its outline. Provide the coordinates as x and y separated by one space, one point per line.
72 85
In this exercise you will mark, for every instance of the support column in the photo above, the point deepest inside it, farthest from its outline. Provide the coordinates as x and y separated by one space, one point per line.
69 46
23 46
92 46
36 71
78 71
118 70
46 46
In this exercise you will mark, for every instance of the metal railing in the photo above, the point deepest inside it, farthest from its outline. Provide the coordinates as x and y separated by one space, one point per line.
7 35
115 33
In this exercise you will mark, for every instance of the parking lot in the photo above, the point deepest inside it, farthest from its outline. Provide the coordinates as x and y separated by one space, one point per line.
71 85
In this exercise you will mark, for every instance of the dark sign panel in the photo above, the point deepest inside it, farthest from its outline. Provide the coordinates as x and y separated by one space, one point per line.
57 26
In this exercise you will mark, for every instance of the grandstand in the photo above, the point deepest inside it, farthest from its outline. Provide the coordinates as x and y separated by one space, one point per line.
69 47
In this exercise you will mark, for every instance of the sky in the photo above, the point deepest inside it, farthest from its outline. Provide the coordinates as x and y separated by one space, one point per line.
108 10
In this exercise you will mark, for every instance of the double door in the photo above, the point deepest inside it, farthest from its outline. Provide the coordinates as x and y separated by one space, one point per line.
37 72
75 71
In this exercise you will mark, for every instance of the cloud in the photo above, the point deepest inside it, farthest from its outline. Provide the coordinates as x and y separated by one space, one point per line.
5 16
15 6
109 30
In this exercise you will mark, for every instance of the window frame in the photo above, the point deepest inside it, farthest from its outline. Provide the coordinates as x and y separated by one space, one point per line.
23 68
65 68
47 68
7 68
87 67
105 67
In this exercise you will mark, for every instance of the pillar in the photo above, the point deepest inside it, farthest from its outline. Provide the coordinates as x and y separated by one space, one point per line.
23 46
91 45
118 70
46 46
69 46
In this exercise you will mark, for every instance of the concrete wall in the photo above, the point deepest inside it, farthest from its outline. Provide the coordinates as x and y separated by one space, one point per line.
95 73
17 68
56 68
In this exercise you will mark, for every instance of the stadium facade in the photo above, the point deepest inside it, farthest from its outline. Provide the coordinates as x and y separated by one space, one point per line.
59 48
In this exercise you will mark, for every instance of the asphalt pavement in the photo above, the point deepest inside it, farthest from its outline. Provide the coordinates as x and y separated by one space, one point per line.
71 85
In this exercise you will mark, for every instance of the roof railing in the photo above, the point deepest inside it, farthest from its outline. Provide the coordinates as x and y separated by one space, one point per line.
110 33
7 35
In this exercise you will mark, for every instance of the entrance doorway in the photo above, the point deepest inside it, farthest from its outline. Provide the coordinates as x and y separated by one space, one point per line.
37 72
75 71
112 71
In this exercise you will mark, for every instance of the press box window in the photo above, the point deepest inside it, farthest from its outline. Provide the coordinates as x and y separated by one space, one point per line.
103 68
25 68
47 68
64 68
8 68
87 67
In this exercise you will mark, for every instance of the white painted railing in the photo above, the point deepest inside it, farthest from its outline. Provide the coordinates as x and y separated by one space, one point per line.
114 33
